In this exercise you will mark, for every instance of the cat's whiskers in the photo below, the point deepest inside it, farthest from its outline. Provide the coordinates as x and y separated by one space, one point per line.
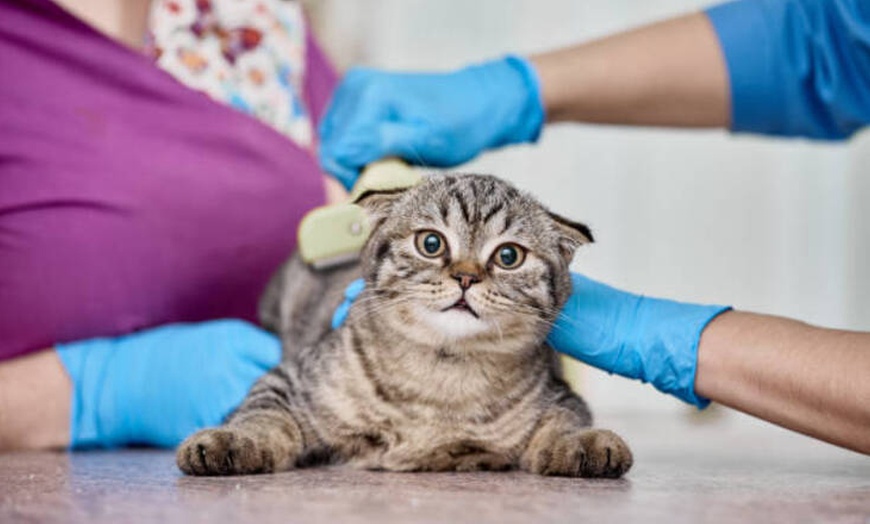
383 303
544 314
498 330
555 324
377 307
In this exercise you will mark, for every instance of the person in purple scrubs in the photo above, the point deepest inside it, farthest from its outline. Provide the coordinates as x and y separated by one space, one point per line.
135 212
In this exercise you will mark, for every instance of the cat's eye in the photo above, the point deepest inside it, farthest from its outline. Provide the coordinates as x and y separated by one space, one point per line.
509 256
430 244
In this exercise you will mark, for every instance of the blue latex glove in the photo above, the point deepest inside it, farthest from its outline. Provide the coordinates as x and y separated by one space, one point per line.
433 119
159 386
649 339
350 293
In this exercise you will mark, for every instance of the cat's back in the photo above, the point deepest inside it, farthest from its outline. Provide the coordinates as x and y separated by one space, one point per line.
299 302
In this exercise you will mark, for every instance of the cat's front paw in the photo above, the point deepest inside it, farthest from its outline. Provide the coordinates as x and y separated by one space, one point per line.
587 453
607 455
222 451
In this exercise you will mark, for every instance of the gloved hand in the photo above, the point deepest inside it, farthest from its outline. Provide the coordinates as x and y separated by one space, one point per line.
653 340
159 386
433 119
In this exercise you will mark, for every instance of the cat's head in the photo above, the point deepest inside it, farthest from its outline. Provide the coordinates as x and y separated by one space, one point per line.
467 257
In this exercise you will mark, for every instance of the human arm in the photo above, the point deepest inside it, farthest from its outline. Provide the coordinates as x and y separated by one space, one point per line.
805 378
669 73
35 394
779 67
153 387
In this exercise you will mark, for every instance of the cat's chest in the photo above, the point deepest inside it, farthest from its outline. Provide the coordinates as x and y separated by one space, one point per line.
388 412
409 434
440 442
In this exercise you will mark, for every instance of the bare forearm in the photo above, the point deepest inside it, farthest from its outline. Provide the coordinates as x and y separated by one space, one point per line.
35 395
667 74
812 380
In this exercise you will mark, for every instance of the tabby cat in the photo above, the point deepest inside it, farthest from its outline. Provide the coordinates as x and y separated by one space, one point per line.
441 363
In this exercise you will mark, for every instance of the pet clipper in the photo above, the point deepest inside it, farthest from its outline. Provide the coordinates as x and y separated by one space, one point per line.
333 235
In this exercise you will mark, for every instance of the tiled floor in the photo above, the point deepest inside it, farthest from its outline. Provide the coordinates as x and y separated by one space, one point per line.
731 470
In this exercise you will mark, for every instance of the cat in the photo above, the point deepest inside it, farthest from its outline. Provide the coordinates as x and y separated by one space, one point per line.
441 364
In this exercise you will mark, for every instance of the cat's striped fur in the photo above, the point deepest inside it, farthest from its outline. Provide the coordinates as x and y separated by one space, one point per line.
416 379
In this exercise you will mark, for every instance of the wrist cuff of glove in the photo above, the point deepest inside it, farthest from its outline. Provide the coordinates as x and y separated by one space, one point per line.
530 119
86 364
678 348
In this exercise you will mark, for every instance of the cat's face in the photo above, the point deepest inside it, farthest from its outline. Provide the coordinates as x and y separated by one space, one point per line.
462 257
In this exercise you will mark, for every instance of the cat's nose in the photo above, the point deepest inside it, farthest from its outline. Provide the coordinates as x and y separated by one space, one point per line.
466 279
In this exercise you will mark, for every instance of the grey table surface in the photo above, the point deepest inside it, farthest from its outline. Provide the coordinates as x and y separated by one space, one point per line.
729 470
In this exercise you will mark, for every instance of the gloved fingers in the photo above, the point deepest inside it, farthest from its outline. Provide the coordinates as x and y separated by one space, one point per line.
344 100
211 377
197 343
346 155
351 144
588 326
254 345
341 313
346 175
353 133
351 292
365 143
417 143
157 386
354 289
352 98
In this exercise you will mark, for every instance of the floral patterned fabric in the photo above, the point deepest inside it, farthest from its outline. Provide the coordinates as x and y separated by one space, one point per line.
249 54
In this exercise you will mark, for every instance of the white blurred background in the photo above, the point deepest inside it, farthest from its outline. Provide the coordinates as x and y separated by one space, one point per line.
767 225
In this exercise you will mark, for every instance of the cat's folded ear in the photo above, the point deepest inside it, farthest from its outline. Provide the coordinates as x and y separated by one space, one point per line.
572 235
378 203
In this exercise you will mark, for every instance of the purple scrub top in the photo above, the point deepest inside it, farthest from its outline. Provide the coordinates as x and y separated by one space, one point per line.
128 200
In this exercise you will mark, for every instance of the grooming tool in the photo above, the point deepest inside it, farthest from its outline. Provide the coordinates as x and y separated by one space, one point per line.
333 235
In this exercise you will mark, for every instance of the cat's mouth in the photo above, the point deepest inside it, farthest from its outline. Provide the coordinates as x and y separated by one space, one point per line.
462 305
